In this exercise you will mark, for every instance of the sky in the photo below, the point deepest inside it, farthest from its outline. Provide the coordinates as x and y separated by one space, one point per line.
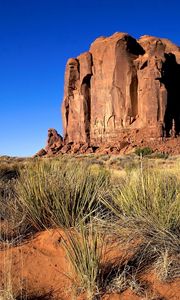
36 39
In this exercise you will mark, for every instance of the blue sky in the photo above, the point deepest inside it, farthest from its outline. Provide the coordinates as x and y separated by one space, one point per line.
36 39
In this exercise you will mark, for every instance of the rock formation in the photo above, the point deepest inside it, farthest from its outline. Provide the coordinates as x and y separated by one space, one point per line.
121 94
122 87
53 145
54 141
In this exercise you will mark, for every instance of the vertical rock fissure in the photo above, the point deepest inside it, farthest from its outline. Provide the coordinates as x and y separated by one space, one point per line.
86 92
171 80
134 96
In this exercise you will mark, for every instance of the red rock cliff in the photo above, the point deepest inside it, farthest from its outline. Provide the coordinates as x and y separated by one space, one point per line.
122 85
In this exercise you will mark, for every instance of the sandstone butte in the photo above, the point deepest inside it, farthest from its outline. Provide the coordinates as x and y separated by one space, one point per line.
122 93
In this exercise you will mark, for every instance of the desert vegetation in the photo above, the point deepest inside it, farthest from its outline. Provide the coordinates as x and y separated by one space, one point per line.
120 218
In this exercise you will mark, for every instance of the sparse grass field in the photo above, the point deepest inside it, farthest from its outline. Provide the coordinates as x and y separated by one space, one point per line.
98 201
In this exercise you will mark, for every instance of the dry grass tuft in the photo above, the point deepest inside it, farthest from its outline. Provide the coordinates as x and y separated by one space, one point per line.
59 193
84 249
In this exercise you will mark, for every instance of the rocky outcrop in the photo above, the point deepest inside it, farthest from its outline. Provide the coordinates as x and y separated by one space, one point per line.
54 141
122 87
53 145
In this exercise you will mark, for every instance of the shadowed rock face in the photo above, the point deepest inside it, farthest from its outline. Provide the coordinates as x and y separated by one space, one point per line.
122 85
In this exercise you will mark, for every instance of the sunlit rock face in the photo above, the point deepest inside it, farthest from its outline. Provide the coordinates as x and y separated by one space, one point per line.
121 86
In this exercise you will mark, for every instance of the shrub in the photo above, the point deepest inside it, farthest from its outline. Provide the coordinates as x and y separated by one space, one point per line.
160 155
143 151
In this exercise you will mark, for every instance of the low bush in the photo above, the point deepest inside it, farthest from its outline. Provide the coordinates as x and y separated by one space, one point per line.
160 155
143 151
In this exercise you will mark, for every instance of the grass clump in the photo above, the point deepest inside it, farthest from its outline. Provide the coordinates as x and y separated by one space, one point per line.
9 217
60 193
84 250
167 266
149 197
146 205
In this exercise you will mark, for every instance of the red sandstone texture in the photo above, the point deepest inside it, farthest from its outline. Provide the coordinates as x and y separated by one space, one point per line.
122 91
